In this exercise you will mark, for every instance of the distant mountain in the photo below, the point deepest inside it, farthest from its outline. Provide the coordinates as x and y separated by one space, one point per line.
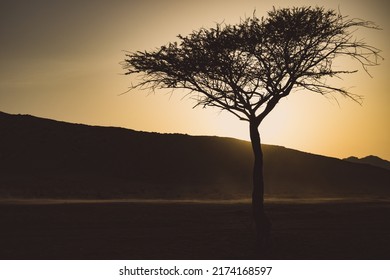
53 159
372 160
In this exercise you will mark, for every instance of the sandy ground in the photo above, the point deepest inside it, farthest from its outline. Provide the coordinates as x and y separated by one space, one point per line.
188 230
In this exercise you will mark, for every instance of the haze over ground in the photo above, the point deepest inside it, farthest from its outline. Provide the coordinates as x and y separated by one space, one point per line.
49 159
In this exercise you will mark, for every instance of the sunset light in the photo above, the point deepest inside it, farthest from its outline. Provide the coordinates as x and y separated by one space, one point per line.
62 61
176 138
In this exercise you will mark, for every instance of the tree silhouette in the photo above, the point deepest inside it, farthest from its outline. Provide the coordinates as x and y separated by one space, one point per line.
247 68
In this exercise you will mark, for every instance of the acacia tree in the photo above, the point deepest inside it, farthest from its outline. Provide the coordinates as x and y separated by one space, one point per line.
247 68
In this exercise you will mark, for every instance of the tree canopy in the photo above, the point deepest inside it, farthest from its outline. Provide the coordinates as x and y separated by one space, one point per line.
248 67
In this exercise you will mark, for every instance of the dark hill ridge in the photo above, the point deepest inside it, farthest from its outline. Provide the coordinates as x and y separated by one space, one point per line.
372 160
46 158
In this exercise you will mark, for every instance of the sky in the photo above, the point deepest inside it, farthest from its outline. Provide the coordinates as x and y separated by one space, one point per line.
61 60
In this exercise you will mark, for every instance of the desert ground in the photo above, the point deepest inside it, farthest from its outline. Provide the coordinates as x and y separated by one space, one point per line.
302 229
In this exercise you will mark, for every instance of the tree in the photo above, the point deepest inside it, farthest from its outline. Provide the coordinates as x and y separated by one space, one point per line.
247 68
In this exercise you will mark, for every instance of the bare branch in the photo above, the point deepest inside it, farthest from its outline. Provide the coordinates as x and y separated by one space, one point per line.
247 68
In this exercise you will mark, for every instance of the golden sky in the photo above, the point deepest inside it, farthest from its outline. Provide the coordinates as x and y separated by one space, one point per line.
60 60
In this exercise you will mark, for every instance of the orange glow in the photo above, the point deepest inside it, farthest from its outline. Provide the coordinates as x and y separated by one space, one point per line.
62 62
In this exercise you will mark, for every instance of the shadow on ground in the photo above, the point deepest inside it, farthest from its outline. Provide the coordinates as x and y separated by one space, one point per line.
129 230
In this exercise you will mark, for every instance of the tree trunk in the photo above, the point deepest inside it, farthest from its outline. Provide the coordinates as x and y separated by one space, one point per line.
261 220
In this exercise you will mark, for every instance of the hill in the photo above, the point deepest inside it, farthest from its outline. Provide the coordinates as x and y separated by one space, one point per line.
372 160
52 159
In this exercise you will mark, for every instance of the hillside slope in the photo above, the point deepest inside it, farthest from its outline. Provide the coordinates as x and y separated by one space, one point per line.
46 158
